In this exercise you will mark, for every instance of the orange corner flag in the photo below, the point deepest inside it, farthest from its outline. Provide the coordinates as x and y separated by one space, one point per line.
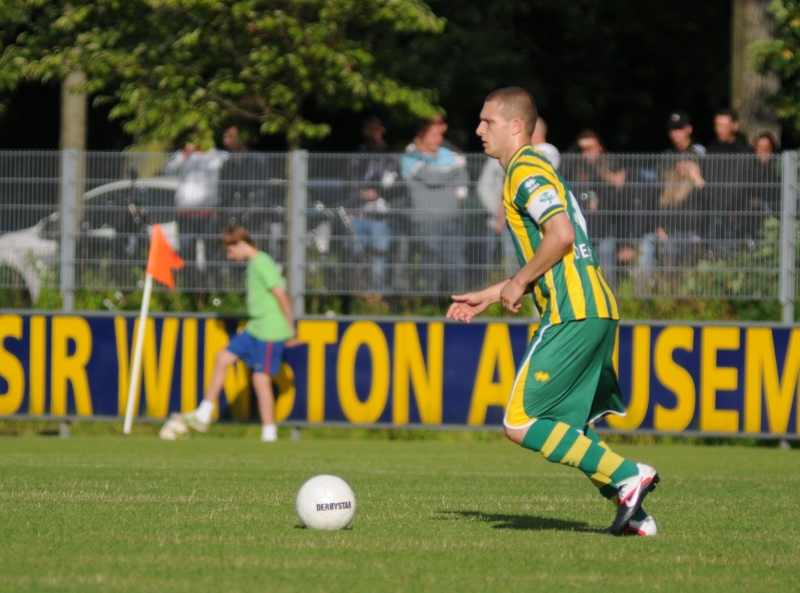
162 259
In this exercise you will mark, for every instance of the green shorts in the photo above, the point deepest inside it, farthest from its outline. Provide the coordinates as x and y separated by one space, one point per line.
567 375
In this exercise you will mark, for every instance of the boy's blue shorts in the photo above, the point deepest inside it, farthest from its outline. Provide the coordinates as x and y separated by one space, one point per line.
261 356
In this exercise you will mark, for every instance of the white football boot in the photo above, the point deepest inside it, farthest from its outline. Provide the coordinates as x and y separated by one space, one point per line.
632 492
645 528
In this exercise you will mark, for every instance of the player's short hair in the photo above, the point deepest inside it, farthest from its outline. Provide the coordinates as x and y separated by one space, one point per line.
516 102
234 234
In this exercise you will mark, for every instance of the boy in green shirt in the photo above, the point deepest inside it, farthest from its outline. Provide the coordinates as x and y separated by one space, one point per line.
260 346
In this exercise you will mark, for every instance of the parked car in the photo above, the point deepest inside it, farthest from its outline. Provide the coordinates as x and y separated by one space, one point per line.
112 233
116 217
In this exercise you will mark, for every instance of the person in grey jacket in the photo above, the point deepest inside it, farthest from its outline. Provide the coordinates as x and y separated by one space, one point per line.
437 182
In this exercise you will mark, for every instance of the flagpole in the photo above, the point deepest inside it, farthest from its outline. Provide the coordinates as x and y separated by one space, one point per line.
137 357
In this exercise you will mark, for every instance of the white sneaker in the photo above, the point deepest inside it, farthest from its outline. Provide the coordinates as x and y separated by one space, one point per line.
646 527
174 429
631 495
191 420
269 434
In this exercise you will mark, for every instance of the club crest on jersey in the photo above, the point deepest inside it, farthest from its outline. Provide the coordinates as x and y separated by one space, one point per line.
542 376
547 197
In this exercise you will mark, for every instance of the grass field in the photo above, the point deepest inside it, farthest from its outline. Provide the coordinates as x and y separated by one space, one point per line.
214 514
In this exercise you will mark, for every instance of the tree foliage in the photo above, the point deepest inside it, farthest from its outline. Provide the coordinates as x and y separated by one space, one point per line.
617 66
782 55
177 67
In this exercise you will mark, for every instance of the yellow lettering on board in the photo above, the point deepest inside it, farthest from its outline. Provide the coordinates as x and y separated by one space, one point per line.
10 367
675 378
237 379
410 369
37 361
158 375
70 369
157 371
761 371
369 334
640 381
317 334
189 366
714 378
495 354
286 392
123 361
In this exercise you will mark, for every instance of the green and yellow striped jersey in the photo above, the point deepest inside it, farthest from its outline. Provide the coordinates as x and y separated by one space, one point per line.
574 288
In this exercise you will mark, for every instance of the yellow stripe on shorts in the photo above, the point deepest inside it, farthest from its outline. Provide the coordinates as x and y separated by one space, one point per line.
516 417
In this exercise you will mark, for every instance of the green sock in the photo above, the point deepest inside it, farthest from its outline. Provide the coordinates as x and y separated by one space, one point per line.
560 443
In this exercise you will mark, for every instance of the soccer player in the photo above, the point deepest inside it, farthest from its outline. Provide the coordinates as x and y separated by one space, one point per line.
260 345
566 380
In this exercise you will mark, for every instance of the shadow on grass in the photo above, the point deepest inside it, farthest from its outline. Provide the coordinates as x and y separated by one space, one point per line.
522 522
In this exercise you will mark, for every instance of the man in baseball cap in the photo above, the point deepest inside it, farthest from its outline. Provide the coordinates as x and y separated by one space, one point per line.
679 128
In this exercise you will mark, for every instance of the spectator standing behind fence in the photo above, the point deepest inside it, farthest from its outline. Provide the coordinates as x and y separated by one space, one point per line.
764 197
251 193
373 173
539 141
676 227
727 174
490 193
598 181
196 202
437 183
235 178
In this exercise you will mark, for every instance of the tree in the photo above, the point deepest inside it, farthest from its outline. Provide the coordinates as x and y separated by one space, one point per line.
782 56
617 66
749 88
177 67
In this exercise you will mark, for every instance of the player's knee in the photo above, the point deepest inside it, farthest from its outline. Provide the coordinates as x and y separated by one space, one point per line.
515 434
223 358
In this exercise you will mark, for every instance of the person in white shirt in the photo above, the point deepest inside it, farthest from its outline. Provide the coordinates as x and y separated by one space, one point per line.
196 202
539 141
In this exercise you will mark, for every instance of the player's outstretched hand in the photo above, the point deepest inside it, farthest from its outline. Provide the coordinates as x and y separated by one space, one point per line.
291 343
466 306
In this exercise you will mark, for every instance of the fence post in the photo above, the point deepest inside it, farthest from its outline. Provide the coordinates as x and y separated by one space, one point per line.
788 233
69 225
298 198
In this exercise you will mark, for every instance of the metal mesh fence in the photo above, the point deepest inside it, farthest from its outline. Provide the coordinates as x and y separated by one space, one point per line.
662 225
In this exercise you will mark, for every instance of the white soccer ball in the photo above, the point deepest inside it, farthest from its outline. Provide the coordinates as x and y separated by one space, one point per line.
325 502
